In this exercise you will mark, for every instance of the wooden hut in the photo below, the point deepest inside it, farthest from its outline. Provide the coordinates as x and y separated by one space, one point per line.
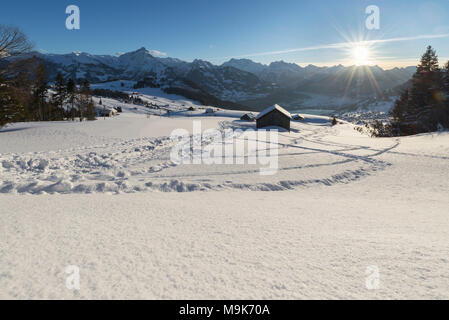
274 116
248 117
106 112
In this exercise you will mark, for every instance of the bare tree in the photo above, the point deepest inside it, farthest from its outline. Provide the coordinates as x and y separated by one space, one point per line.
13 41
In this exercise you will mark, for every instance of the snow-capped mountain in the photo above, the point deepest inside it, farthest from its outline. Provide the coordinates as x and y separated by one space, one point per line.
139 64
363 80
246 65
227 83
134 65
238 80
280 73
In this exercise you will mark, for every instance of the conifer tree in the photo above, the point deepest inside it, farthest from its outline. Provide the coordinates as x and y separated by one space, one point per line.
11 109
41 108
421 108
60 96
445 110
71 97
426 84
446 77
91 110
21 89
86 104
399 112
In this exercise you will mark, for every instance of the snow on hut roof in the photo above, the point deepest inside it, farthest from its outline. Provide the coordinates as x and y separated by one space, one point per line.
275 107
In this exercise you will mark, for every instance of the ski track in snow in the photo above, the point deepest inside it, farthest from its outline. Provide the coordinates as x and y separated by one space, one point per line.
137 165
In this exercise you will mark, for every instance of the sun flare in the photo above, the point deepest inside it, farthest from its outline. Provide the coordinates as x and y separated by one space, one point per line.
361 55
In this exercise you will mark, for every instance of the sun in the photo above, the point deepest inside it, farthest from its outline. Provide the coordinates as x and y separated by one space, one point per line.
361 55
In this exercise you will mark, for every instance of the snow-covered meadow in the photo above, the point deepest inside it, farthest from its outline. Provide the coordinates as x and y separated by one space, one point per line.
105 196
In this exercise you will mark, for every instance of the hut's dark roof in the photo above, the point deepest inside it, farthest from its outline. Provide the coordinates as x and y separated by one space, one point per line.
248 116
275 107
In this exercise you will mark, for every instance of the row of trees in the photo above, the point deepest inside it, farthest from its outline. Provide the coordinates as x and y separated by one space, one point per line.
75 99
12 40
25 94
424 107
25 98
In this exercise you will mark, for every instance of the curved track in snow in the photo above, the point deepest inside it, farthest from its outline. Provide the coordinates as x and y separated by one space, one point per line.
307 157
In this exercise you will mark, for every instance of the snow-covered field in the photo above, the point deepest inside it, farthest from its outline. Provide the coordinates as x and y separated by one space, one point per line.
104 196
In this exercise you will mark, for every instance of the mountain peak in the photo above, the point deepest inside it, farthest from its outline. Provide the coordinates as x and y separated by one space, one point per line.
246 65
141 51
202 63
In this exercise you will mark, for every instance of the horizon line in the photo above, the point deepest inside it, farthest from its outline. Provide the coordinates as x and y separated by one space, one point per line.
300 64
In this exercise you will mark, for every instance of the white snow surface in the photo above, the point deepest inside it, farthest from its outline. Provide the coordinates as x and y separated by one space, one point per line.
104 196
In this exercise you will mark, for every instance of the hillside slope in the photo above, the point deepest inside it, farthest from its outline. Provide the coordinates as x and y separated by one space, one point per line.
104 196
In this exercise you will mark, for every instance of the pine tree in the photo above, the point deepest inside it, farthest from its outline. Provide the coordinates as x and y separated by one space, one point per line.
10 108
21 88
71 97
399 112
421 108
445 110
42 111
91 110
60 96
426 85
81 99
446 77
86 104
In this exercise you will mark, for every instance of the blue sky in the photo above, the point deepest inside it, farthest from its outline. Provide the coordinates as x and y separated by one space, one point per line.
298 31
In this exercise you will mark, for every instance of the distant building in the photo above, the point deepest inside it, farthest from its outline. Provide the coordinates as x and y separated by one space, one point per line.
274 116
109 113
297 117
248 117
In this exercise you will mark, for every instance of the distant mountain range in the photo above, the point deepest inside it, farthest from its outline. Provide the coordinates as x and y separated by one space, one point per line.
238 82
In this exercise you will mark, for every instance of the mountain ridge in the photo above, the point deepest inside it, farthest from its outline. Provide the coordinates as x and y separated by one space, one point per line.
241 81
